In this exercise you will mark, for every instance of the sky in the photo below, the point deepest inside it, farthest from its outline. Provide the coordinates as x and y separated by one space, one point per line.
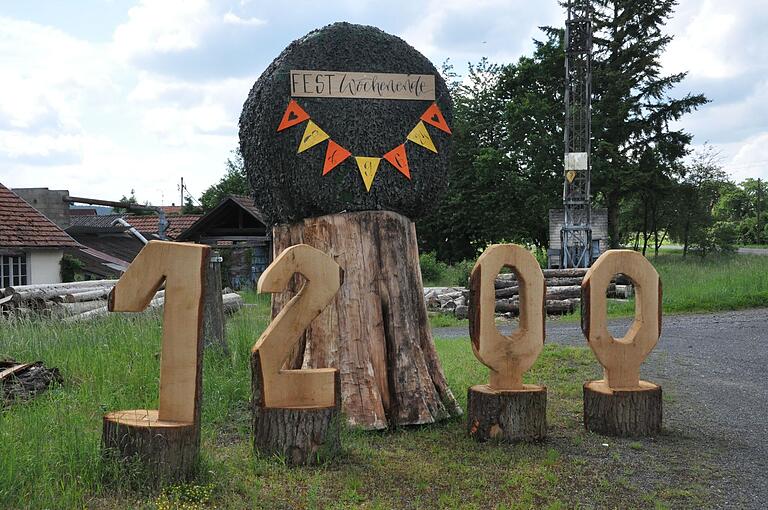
104 96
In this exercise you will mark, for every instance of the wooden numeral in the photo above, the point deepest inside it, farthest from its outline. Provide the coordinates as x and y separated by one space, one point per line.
621 357
508 357
283 388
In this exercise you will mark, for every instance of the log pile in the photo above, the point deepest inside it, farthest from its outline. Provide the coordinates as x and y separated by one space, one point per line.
77 301
563 293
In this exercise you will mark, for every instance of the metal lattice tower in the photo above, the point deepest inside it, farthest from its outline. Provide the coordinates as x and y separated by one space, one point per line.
576 234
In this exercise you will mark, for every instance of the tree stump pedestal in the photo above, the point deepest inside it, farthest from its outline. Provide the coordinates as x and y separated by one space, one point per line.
508 416
168 449
622 413
300 435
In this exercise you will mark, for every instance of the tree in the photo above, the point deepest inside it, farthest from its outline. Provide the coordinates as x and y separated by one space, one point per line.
632 109
234 182
133 200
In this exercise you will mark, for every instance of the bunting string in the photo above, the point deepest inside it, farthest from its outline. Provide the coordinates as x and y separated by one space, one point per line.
335 154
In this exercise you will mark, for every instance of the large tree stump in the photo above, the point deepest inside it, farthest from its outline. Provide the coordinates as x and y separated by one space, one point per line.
622 413
301 436
376 330
165 448
214 323
507 416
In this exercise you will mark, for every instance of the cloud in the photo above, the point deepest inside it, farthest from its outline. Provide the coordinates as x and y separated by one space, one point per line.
231 18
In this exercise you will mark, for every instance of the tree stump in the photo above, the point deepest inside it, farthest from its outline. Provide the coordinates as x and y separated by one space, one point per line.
300 435
507 416
376 330
167 449
623 413
214 323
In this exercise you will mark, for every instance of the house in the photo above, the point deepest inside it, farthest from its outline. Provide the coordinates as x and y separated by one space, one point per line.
235 228
31 245
599 235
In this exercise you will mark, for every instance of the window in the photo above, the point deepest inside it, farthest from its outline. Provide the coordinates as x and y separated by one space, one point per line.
13 270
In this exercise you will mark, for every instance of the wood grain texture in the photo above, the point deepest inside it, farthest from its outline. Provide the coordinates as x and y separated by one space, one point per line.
621 357
508 357
299 435
376 330
624 413
286 388
507 416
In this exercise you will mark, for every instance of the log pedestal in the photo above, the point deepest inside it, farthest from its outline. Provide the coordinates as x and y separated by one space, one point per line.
376 330
507 416
167 449
622 413
300 435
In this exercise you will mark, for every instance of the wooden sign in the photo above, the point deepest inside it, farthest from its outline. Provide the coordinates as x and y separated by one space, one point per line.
621 404
166 439
295 412
420 87
506 409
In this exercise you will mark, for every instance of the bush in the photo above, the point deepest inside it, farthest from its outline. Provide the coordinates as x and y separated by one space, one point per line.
723 235
70 268
432 270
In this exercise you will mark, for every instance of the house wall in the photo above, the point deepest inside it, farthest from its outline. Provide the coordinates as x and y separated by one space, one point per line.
599 227
44 266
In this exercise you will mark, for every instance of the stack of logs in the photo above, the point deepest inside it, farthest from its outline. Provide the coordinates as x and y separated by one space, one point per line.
563 293
76 300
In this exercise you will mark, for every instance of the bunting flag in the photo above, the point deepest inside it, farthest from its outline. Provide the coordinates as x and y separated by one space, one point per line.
434 117
398 159
293 115
334 155
368 167
312 136
570 175
420 136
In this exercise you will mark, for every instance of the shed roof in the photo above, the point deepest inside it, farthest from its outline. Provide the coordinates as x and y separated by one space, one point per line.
23 226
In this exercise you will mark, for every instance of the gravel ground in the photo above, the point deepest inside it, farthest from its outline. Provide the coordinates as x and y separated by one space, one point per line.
714 369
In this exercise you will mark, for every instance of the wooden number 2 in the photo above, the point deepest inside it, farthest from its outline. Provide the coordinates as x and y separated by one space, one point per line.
621 357
181 267
508 357
284 388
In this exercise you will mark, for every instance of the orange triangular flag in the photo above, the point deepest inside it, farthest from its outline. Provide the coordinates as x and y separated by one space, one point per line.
397 159
420 136
434 117
334 155
368 168
293 115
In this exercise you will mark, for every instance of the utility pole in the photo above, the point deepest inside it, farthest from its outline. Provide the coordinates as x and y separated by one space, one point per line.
576 234
759 197
181 191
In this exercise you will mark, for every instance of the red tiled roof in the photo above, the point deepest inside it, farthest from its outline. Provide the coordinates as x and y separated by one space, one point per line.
23 226
149 224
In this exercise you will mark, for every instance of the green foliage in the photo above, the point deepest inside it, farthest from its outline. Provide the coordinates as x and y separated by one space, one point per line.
745 206
722 236
70 268
435 273
234 182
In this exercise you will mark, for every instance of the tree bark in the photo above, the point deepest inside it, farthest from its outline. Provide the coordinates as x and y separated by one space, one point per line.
376 330
507 416
168 450
300 435
622 413
214 324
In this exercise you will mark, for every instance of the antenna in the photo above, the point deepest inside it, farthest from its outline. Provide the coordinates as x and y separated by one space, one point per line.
576 233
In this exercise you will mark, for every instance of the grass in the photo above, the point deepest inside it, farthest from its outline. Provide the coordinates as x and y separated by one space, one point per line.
49 447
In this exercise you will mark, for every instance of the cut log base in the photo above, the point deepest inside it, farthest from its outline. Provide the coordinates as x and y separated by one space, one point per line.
166 450
507 416
622 413
302 436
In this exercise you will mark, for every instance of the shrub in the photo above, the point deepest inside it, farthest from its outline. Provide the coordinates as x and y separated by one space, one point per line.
723 235
432 270
70 268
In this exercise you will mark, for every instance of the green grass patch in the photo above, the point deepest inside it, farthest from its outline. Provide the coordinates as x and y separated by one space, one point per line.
50 447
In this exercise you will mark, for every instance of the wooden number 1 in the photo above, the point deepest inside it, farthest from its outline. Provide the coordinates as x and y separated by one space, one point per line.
508 357
283 388
181 266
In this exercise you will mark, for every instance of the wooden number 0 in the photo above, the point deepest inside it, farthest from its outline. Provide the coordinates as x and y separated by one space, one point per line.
181 267
508 357
284 388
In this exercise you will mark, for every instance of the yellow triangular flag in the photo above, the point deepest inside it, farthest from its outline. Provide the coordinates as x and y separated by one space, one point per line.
419 135
368 168
312 136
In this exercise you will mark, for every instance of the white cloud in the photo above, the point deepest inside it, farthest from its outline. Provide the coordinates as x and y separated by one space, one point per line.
231 18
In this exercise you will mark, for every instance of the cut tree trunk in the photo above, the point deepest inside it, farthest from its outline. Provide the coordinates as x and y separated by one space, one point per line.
167 449
622 413
376 330
507 416
300 435
214 325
